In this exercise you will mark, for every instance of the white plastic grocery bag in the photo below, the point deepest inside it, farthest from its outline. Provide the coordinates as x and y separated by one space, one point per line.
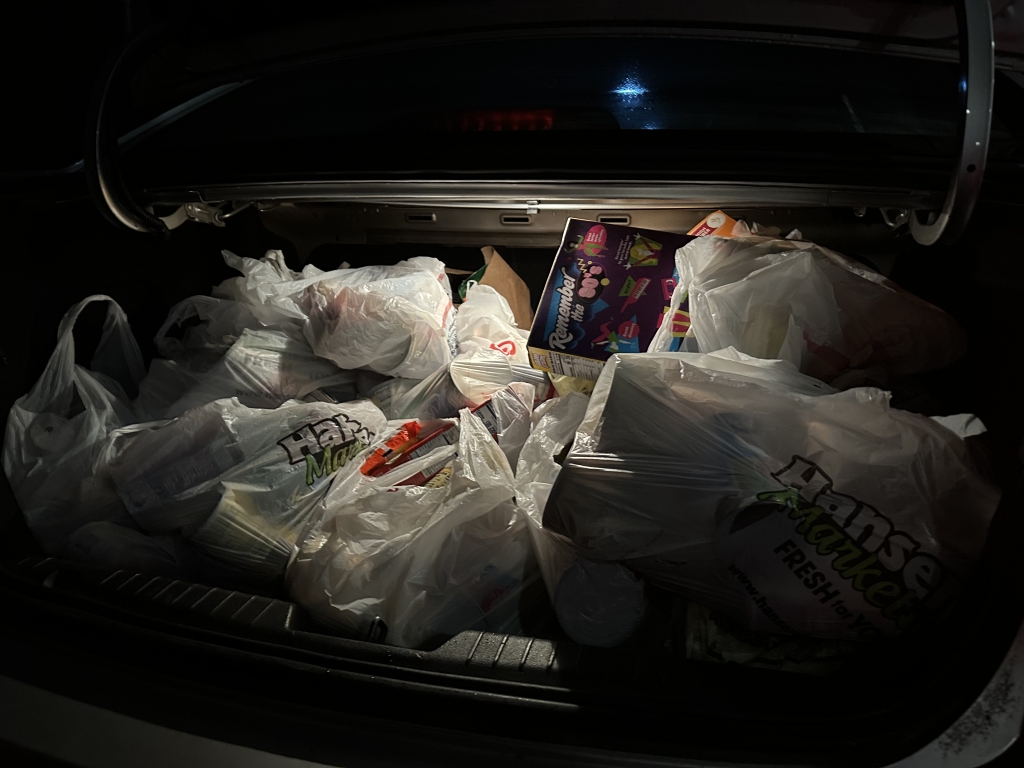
208 327
596 603
55 432
744 488
238 482
263 369
396 320
833 318
554 425
468 381
485 321
412 565
268 287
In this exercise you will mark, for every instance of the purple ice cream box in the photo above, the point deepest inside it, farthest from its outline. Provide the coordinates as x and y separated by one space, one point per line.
607 293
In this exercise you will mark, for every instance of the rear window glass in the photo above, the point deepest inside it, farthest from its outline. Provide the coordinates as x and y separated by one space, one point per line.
588 83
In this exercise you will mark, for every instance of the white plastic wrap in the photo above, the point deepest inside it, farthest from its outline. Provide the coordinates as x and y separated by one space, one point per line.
237 481
412 565
787 510
56 432
797 301
596 603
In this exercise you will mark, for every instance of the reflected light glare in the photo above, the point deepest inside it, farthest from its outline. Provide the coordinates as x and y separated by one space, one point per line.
630 88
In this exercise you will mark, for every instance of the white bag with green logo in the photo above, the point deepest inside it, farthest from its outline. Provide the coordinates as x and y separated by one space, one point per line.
412 565
239 482
754 490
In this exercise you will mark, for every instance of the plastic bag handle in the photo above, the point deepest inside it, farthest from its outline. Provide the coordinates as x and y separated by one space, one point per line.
115 342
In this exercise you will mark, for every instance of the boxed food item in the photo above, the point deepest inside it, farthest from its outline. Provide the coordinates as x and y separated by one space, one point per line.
506 416
717 223
607 293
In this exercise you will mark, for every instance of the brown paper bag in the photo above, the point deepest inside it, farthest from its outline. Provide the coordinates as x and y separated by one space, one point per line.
502 278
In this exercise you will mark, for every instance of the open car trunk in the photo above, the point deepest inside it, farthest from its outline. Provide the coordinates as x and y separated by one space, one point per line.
238 666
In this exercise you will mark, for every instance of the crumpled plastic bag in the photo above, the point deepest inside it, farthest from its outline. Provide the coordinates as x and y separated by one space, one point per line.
491 356
468 381
412 565
56 432
269 288
797 301
263 369
209 326
397 320
598 604
238 482
485 322
513 411
782 508
388 394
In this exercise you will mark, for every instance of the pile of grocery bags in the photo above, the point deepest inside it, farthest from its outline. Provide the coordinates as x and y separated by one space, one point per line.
397 464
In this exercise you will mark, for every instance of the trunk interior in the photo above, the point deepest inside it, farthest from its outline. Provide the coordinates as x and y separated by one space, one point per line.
645 696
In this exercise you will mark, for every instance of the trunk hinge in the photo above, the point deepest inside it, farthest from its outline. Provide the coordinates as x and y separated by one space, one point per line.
201 212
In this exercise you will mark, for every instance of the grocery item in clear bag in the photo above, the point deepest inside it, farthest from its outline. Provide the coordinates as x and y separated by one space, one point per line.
205 327
741 485
411 565
395 320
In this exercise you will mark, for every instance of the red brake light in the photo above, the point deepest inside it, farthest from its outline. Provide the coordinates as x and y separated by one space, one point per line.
502 120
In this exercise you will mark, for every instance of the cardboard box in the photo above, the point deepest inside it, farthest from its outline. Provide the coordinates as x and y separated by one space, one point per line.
717 223
607 293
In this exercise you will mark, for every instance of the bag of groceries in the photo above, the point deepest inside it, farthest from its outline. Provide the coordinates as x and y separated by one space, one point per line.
597 604
56 432
491 355
413 564
762 494
395 320
263 369
793 300
239 482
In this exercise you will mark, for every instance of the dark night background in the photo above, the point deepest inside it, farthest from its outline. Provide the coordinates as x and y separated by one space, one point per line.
51 55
